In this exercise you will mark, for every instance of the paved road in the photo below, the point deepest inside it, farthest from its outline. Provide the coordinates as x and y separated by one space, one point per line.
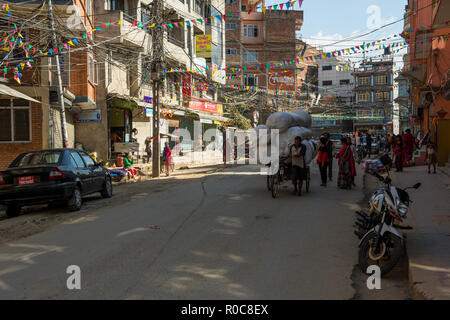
221 236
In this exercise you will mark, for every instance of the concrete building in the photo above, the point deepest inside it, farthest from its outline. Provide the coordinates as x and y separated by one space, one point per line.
335 80
374 94
30 126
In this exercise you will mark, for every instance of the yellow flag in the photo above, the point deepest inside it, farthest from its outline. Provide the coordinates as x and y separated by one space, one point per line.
71 43
120 22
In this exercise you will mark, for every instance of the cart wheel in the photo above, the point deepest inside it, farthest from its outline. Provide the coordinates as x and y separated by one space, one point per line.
275 185
268 182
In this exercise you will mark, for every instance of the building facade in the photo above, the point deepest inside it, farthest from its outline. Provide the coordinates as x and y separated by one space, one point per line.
374 94
426 66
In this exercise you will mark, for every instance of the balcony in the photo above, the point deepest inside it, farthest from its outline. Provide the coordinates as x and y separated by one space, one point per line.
124 34
407 24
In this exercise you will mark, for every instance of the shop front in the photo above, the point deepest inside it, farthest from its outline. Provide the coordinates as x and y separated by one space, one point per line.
122 134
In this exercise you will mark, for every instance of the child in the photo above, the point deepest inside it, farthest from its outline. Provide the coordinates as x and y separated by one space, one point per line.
431 157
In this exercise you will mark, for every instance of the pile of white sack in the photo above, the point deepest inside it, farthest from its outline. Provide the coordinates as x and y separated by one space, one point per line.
290 125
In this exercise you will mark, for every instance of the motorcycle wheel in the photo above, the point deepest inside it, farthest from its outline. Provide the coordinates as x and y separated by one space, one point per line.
393 246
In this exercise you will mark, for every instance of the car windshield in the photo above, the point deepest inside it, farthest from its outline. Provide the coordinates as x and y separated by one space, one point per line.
335 137
37 158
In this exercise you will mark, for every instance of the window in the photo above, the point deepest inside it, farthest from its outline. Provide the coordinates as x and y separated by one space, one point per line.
250 31
78 160
37 158
364 81
146 17
344 82
382 96
327 83
88 160
92 69
15 123
230 1
364 97
380 80
116 5
230 26
250 80
326 68
231 51
199 7
250 56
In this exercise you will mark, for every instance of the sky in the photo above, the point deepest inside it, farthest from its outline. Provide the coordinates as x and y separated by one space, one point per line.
328 21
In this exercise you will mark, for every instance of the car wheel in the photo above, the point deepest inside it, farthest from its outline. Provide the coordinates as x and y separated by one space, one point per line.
13 210
75 202
107 188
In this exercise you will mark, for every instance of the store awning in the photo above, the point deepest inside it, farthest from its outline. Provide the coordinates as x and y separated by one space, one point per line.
7 91
124 104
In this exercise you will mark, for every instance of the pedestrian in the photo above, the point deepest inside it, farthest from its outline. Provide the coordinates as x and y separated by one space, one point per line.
322 160
329 146
397 152
369 144
128 165
389 143
358 139
148 148
346 163
167 155
408 144
431 157
297 153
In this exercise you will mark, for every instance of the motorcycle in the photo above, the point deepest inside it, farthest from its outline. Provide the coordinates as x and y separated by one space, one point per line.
380 241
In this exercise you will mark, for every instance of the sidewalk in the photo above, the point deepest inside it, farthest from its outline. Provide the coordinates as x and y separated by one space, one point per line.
428 244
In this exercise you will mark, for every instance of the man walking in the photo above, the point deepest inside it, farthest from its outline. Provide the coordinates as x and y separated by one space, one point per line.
297 153
329 146
369 144
408 144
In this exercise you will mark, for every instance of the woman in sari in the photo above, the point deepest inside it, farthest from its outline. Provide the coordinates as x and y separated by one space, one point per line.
167 155
346 162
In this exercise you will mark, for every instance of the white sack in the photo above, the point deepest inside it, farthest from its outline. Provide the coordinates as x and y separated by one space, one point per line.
280 120
304 133
301 118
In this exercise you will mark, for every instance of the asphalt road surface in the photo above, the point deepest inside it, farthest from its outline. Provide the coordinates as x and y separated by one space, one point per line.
216 236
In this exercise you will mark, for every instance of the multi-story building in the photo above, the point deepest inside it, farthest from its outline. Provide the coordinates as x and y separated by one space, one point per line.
374 83
426 66
27 125
256 43
335 80
402 105
127 63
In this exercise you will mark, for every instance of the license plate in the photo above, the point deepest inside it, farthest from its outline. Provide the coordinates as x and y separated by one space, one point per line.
26 180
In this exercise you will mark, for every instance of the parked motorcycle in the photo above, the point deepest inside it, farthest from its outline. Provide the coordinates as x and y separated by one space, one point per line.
381 243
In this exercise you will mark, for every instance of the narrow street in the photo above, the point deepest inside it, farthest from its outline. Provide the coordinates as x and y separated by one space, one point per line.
214 236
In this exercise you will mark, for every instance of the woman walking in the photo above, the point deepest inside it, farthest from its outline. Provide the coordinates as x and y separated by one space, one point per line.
322 160
397 153
346 162
167 154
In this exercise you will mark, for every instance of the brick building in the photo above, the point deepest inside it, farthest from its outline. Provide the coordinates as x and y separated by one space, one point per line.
426 66
32 126
256 42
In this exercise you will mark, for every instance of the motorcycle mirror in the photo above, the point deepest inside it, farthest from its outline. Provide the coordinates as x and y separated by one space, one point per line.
417 185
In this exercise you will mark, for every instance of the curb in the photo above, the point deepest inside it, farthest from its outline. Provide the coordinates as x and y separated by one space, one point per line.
415 289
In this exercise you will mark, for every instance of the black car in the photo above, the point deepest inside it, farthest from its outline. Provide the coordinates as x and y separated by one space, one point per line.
58 175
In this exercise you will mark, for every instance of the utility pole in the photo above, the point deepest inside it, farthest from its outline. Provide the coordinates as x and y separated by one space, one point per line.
59 87
157 66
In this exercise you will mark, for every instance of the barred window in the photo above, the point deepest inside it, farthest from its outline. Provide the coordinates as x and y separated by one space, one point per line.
15 123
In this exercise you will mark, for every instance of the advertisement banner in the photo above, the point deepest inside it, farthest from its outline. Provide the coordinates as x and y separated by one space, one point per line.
203 46
204 106
284 80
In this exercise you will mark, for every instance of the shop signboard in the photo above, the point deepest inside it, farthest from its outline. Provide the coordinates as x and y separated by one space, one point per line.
89 116
149 112
282 79
203 46
204 106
